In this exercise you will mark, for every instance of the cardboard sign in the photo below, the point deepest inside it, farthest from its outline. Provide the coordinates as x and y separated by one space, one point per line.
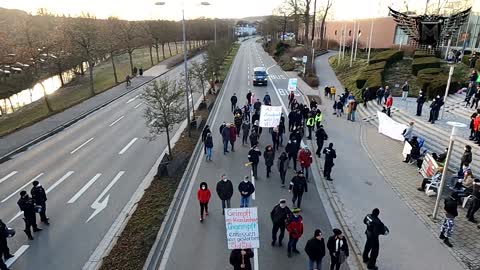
292 84
242 228
407 148
270 116
429 166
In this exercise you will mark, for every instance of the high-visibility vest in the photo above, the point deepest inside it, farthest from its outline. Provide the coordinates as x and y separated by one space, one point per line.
319 117
310 121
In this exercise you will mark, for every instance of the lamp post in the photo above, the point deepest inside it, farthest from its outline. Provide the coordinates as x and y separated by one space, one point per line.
370 42
450 73
455 126
185 53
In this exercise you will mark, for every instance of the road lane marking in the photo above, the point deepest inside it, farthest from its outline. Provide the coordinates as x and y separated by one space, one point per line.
16 255
116 121
8 176
52 187
138 105
99 206
21 188
127 146
82 145
132 99
84 188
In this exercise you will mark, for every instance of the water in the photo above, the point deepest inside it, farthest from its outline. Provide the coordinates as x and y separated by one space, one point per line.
35 93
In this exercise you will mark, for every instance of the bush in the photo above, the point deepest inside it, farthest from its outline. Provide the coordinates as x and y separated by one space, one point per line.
371 79
379 65
421 54
390 56
435 84
312 80
429 71
280 49
423 63
287 65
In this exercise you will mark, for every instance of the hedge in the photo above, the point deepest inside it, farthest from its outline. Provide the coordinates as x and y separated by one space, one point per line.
370 79
425 62
429 71
379 65
435 84
421 54
390 56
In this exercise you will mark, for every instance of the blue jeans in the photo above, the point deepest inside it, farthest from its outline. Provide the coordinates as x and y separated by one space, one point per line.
311 264
209 153
244 201
225 147
292 244
305 171
353 116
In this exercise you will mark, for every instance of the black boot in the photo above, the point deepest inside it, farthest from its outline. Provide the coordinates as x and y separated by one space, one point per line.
36 229
442 236
29 234
447 242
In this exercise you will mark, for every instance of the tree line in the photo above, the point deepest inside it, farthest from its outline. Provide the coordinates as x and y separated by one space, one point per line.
33 48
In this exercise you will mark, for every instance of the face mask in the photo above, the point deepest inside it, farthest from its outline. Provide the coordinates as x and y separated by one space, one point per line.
245 181
203 187
225 179
282 205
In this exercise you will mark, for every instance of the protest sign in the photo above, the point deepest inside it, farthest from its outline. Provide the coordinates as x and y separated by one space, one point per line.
242 228
389 127
292 84
270 116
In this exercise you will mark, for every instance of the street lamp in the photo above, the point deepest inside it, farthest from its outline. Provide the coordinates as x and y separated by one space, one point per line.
450 73
185 53
455 126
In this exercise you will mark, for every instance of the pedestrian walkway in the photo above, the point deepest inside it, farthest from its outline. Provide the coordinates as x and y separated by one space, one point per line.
359 186
19 138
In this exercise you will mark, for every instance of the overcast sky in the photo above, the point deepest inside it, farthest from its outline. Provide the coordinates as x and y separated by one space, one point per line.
145 9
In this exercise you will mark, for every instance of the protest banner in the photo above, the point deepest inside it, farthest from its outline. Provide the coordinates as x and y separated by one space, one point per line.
270 116
389 127
429 166
242 228
292 84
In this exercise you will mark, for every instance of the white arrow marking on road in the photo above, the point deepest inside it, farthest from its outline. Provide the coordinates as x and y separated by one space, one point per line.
52 187
99 206
127 146
84 188
8 176
138 105
16 255
132 99
82 145
253 182
21 188
116 121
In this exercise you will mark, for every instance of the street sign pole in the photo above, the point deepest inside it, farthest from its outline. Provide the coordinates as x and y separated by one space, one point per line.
450 73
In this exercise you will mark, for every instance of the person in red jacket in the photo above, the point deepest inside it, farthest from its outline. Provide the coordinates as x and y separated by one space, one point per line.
295 231
203 196
476 125
233 136
305 159
389 104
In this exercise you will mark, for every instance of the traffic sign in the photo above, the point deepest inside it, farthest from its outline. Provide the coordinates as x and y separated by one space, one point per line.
292 84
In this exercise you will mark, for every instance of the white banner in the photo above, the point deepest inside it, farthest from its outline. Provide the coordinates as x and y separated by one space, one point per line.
242 228
407 148
389 127
270 116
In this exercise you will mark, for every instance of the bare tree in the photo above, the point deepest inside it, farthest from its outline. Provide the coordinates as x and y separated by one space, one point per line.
295 9
325 14
199 72
164 100
112 44
130 38
191 87
306 18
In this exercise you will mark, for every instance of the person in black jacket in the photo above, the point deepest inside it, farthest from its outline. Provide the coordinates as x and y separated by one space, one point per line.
282 166
225 192
240 259
281 129
291 120
420 102
40 198
245 131
315 249
249 97
246 189
330 155
208 147
292 150
338 248
321 136
26 204
475 204
234 100
467 156
298 185
254 157
253 138
451 212
269 156
279 215
205 131
4 250
375 228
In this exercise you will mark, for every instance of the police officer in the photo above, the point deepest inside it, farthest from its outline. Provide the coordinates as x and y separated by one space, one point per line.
40 198
321 136
310 124
375 228
4 250
279 215
330 155
318 118
27 205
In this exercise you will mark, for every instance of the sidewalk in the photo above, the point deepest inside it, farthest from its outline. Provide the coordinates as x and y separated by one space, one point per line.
359 186
21 137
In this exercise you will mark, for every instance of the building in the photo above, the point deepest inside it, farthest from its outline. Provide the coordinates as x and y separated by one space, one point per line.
245 29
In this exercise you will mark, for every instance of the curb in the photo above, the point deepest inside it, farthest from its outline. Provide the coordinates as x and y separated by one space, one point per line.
69 123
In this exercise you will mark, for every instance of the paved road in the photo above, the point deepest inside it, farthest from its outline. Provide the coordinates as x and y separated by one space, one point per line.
100 160
203 245
359 187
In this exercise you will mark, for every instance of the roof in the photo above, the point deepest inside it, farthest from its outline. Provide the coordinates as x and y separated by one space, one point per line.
259 69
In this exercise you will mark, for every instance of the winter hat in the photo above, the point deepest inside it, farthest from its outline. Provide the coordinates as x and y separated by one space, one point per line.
375 212
35 183
337 231
296 210
299 172
317 232
245 178
23 193
282 201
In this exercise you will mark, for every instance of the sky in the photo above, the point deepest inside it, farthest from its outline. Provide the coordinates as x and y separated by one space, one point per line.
145 9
